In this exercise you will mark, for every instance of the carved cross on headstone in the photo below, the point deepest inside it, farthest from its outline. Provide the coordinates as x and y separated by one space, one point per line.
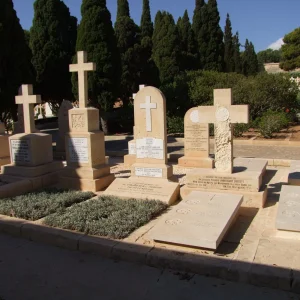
148 106
82 68
27 99
223 114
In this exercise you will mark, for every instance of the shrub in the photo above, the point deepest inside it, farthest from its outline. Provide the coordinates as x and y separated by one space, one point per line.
239 129
272 122
175 124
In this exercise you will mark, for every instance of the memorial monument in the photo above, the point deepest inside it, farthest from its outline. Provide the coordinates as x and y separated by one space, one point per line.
196 142
85 151
151 176
241 176
4 148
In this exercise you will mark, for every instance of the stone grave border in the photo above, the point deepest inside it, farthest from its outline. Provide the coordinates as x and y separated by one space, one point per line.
155 256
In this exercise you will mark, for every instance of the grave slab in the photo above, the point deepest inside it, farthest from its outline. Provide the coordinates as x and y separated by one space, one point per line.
288 214
294 174
200 220
196 142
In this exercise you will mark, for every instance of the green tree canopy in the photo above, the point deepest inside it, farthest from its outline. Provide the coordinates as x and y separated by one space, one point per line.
166 47
52 41
291 51
249 60
96 36
237 62
15 65
228 47
269 56
128 41
188 48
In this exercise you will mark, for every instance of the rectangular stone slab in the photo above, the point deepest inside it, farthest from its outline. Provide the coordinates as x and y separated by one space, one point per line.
288 214
200 220
144 188
294 174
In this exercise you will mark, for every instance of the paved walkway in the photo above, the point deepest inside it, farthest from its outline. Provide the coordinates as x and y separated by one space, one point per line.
30 271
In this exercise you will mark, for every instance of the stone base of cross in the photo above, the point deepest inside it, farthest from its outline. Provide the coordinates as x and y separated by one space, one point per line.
223 115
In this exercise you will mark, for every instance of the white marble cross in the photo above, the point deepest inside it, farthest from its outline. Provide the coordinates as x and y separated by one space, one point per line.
223 114
148 106
27 99
82 68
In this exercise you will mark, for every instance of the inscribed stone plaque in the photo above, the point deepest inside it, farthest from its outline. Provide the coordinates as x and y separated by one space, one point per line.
200 220
196 140
78 150
150 148
288 214
20 151
149 172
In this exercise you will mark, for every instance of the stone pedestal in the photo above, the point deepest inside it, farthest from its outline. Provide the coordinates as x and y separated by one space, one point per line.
246 179
86 163
196 142
130 158
4 148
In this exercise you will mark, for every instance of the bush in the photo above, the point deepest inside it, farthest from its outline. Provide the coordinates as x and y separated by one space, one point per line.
175 124
239 129
272 122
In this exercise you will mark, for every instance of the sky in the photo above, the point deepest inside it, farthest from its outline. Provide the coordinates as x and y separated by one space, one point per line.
263 22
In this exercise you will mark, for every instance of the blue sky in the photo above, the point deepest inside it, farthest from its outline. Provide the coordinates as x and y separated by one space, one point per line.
261 21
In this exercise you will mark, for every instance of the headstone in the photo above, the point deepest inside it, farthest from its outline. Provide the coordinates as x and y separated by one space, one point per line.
63 126
196 142
4 148
48 110
230 176
294 173
31 152
85 152
150 172
288 214
40 113
130 158
201 220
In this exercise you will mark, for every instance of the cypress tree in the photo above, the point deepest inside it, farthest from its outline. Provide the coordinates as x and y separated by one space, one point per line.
96 36
214 59
236 54
128 41
52 41
146 23
188 49
228 47
200 29
15 65
249 60
166 47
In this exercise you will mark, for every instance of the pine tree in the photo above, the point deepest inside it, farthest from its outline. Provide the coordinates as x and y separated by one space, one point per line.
128 41
214 59
228 47
200 29
188 49
236 54
15 65
52 41
249 60
148 71
166 47
96 36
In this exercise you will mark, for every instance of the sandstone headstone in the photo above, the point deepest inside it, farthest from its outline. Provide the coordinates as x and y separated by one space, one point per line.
48 110
4 148
86 164
294 174
31 152
288 214
63 125
201 220
196 142
130 158
151 166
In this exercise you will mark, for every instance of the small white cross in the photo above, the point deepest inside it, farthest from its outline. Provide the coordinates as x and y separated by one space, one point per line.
82 68
148 106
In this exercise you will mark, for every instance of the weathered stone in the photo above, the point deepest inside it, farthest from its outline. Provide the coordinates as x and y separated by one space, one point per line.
294 174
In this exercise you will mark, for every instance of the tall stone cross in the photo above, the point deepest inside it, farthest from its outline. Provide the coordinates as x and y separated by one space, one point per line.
148 106
223 114
82 68
27 99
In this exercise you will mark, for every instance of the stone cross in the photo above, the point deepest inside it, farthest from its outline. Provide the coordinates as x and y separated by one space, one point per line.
148 106
223 114
82 68
27 99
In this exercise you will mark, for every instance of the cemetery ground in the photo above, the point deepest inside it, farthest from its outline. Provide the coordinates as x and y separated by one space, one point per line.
251 252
